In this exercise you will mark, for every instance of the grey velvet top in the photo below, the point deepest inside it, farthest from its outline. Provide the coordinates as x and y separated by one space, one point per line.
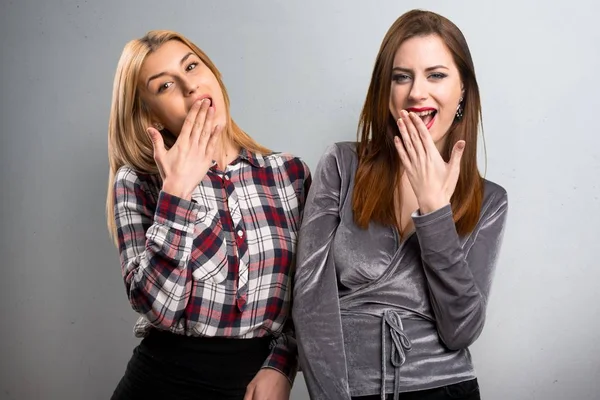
374 314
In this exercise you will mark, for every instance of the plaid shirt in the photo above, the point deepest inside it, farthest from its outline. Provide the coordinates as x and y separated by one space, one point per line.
221 264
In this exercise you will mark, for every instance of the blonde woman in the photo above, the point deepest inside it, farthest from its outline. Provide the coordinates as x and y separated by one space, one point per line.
205 220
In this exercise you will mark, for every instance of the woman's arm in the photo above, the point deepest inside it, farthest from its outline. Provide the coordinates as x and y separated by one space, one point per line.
155 241
316 310
459 278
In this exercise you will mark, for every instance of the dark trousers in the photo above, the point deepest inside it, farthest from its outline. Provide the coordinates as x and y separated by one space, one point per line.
468 390
168 366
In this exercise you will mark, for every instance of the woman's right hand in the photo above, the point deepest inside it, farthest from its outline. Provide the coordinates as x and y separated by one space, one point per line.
183 166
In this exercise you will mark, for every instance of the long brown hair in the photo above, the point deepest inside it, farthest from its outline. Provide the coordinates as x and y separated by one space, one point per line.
128 143
378 160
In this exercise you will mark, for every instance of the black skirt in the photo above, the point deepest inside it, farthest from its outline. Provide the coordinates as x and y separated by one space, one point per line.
169 366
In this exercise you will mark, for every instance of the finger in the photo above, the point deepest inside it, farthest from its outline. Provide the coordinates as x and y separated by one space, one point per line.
456 156
199 121
207 129
424 135
188 124
211 145
411 124
402 153
407 141
249 393
157 143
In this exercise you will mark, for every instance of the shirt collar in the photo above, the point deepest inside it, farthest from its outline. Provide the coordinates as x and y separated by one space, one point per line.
255 159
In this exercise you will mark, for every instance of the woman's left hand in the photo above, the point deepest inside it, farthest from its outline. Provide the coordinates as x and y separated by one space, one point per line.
432 179
268 384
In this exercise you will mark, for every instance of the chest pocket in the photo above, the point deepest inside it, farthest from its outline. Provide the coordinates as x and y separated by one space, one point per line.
274 217
209 253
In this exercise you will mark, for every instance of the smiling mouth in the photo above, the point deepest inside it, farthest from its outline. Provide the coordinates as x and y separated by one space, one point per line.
428 117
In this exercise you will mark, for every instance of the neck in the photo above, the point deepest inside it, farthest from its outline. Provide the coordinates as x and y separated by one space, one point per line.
226 152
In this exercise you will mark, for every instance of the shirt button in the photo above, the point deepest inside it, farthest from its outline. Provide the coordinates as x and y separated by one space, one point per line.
240 233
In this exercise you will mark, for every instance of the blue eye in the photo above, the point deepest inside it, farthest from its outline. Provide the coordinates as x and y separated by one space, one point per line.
438 75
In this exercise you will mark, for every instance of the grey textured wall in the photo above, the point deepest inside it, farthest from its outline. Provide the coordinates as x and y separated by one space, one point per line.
297 73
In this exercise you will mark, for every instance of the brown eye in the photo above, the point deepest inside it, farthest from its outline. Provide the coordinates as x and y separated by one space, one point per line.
164 86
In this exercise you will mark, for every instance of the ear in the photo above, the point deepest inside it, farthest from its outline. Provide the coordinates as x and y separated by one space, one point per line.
156 122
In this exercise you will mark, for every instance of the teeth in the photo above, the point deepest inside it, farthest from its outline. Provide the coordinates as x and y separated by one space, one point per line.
424 113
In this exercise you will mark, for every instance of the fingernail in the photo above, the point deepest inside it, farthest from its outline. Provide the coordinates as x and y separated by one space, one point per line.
461 145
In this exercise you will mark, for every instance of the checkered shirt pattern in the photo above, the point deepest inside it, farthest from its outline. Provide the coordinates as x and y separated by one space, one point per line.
221 264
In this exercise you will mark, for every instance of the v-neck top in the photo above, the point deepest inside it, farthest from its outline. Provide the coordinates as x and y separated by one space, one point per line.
376 314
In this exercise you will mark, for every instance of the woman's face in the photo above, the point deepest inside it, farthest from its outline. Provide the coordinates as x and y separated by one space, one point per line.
171 79
426 81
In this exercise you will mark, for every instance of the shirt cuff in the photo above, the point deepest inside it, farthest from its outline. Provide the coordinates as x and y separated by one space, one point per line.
177 213
282 360
437 233
433 218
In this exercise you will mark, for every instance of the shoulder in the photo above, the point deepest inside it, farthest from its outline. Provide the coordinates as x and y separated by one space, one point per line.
495 198
342 150
293 166
494 192
340 157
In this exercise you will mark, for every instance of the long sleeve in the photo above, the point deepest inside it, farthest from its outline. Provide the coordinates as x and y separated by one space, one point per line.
316 310
284 354
283 357
459 276
155 242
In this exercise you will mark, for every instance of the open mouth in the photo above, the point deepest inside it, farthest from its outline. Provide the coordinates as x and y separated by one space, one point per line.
209 99
428 117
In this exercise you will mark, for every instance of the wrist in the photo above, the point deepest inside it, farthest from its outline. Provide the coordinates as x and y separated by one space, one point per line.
431 205
176 190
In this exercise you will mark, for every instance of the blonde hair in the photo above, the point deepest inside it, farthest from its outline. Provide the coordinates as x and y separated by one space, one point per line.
128 142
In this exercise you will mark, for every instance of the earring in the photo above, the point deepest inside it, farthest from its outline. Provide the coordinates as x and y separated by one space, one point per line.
459 109
159 126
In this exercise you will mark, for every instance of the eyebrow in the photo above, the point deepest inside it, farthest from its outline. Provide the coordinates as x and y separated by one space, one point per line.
164 73
428 69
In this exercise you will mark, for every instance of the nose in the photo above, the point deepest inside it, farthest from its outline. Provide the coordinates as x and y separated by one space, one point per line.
418 90
189 86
